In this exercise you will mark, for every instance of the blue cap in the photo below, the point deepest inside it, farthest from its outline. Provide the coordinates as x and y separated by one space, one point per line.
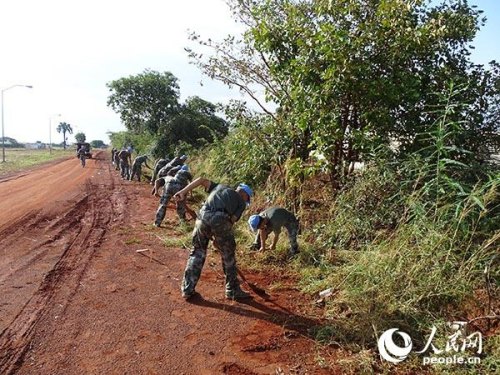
185 168
254 222
247 190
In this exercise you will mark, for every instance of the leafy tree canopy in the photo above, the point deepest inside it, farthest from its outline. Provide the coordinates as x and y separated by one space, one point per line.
64 128
80 137
146 101
97 143
351 75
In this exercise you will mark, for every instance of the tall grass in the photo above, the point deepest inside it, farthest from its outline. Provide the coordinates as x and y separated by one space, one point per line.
406 242
407 245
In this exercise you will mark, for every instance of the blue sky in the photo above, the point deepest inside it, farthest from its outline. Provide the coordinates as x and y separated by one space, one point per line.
69 50
487 41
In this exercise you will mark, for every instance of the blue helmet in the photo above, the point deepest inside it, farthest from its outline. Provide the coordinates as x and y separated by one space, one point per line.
254 222
247 190
185 168
183 157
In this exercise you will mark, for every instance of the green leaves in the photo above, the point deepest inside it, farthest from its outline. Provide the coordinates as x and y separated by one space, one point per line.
80 137
145 101
148 103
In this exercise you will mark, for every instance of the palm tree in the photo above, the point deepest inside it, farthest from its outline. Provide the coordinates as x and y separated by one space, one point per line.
64 128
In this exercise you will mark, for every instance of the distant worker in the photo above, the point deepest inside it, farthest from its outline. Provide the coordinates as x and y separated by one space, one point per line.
137 166
172 186
113 152
116 160
81 153
159 164
222 208
125 161
272 220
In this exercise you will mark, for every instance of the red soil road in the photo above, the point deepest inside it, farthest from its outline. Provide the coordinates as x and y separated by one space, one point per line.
77 298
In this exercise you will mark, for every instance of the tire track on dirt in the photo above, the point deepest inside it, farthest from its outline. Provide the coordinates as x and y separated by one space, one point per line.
51 229
79 232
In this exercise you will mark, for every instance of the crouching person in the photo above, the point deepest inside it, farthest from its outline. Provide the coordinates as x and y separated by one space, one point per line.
172 186
222 208
272 220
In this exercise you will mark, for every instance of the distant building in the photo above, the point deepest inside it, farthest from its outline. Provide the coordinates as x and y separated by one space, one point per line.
35 146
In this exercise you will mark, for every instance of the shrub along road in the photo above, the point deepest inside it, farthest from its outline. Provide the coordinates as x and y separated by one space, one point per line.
76 295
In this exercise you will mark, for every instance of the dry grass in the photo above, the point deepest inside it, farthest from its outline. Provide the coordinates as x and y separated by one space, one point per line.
20 158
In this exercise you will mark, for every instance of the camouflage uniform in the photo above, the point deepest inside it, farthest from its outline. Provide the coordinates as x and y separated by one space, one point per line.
276 219
172 186
124 156
160 163
116 160
81 155
137 167
177 161
222 207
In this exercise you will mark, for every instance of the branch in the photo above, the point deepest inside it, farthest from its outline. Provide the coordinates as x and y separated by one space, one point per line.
248 91
492 317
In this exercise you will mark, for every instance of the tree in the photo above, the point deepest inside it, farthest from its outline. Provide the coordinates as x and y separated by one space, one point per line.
97 143
351 75
146 101
64 128
80 137
11 142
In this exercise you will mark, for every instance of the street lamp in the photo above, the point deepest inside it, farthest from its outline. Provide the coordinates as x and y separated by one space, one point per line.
3 135
50 131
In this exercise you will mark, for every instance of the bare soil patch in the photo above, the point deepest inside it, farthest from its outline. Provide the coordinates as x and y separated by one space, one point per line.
77 297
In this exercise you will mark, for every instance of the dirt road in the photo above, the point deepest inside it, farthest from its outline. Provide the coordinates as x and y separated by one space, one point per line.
77 298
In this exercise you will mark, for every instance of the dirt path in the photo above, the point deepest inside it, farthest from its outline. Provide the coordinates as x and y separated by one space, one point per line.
77 298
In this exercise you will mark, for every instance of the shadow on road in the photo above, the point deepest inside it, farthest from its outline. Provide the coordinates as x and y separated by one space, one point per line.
281 316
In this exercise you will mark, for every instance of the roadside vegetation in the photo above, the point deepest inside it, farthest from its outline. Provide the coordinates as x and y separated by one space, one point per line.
17 159
379 136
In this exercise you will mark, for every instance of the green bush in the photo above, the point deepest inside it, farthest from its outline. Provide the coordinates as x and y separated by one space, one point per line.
426 227
239 157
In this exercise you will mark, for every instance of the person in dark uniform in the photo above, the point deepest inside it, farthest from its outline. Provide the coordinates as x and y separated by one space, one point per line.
222 208
272 220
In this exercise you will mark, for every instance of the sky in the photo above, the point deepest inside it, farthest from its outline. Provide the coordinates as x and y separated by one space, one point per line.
69 49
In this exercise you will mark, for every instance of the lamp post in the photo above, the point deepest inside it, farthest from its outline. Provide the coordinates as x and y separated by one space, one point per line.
50 131
3 135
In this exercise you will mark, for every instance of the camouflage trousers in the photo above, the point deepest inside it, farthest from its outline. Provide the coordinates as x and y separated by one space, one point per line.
168 192
214 226
136 171
124 169
292 228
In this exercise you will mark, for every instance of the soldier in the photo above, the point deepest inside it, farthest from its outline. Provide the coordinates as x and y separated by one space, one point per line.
125 161
113 152
272 220
116 160
81 155
160 182
137 166
159 164
172 186
222 208
179 160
